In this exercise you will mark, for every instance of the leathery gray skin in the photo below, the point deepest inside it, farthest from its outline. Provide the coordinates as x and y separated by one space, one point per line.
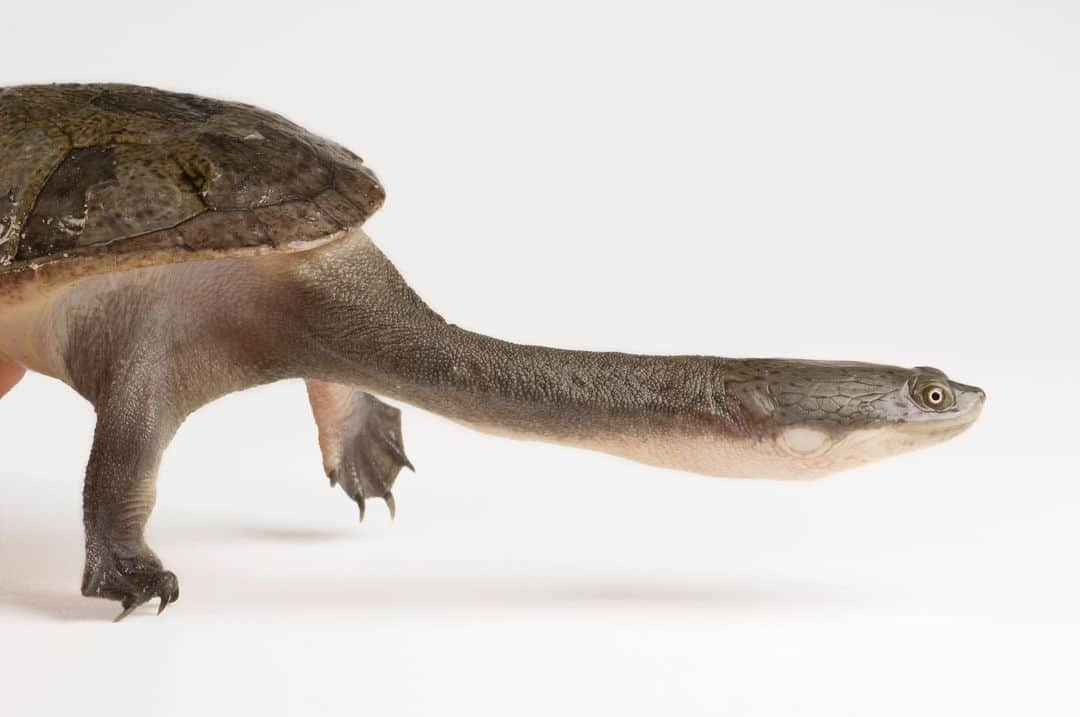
149 346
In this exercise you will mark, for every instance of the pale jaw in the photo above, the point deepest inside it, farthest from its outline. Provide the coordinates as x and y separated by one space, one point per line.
814 454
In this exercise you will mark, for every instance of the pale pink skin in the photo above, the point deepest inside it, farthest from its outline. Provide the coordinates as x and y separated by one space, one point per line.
10 374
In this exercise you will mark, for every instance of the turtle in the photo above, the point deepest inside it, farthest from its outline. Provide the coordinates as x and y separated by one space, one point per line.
159 250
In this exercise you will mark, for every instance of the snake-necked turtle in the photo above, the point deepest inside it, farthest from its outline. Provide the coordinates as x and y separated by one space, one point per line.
159 250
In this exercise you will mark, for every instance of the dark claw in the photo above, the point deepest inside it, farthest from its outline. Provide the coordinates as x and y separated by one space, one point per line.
360 505
374 473
168 598
133 580
333 478
129 607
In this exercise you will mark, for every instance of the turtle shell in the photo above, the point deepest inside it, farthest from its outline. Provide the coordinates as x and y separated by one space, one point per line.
106 177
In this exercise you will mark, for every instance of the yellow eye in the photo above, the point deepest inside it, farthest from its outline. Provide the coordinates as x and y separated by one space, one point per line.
936 397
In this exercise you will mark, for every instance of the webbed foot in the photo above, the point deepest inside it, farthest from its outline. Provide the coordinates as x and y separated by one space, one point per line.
132 580
371 457
360 437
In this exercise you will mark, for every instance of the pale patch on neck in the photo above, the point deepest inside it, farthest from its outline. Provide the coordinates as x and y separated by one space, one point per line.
798 453
806 442
720 457
705 455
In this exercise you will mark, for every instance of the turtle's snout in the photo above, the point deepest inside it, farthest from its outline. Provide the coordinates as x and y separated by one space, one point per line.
977 394
969 399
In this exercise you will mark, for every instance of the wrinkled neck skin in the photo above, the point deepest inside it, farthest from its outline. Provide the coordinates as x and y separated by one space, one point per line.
406 351
717 416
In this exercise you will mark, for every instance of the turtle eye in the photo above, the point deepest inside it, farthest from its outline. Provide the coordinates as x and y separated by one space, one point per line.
934 396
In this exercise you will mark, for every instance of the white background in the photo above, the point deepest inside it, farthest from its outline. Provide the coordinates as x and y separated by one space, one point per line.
847 180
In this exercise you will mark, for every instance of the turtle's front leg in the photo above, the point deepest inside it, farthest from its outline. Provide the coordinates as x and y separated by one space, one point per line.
130 437
360 439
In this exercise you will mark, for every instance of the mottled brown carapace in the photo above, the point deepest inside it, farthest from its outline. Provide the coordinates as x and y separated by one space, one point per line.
104 173
159 250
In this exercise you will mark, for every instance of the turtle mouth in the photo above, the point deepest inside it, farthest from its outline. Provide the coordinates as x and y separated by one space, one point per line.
950 426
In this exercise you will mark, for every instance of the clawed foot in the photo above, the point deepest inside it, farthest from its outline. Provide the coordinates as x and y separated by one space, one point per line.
132 580
371 455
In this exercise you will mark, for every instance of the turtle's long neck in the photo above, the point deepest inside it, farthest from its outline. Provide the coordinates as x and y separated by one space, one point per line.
377 332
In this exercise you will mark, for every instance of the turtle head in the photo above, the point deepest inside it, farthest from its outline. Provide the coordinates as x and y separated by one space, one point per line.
823 417
780 418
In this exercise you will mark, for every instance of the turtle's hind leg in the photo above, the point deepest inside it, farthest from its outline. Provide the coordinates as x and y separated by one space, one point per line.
360 438
10 374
